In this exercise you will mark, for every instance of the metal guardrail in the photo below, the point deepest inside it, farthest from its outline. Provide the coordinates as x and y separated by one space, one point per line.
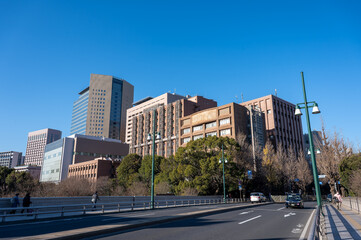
83 209
315 230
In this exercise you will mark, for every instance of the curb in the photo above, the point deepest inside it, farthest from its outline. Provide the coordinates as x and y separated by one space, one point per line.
107 229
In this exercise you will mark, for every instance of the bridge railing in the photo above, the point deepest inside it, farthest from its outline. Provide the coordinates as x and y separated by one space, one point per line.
315 231
101 208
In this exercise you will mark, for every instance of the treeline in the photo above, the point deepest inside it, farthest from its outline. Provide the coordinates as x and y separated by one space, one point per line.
195 170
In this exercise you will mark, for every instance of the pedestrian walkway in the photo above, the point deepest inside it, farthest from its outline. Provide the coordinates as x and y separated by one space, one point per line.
344 224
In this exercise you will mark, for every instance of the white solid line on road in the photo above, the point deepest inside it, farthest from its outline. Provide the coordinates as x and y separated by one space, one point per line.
281 208
250 219
303 234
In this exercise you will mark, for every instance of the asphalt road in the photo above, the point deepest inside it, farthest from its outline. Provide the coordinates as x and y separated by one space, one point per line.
261 222
15 230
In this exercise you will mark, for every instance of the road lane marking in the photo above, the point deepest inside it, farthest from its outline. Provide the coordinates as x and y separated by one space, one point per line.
303 234
250 219
296 230
281 208
290 214
245 212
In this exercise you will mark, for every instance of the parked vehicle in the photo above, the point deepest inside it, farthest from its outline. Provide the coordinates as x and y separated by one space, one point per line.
294 200
257 197
329 197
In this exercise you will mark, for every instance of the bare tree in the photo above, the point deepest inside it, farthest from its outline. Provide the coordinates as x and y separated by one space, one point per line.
356 182
189 192
271 168
162 188
138 189
304 174
333 150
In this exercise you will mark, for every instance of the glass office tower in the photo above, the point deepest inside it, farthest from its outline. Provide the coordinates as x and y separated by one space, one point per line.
80 112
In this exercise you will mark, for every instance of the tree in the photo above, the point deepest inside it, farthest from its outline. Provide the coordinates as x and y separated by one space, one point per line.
304 174
270 166
355 182
333 150
127 171
4 172
20 182
348 167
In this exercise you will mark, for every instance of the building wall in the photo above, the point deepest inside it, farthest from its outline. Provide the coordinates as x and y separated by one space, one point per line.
93 170
138 109
79 114
34 171
10 159
109 97
37 141
225 121
88 148
282 126
167 119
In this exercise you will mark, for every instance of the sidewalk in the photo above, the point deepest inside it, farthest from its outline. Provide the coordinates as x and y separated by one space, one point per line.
344 224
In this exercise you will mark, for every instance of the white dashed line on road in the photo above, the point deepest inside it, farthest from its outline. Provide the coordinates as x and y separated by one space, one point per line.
245 212
290 214
250 219
281 208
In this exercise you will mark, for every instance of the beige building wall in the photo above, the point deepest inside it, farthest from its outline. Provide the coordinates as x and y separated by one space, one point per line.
167 120
36 145
228 120
93 170
282 126
101 104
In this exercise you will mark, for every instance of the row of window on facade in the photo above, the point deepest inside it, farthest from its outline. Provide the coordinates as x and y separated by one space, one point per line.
37 137
97 155
52 155
83 168
51 171
207 125
223 132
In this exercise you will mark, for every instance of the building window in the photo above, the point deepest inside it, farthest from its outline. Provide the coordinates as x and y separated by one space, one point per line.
225 132
186 130
186 140
211 134
197 128
198 137
224 121
211 124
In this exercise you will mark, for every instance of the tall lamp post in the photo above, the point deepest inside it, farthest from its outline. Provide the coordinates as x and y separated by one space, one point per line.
223 160
153 137
306 105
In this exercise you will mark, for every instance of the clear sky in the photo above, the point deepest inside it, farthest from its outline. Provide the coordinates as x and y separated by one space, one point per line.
216 49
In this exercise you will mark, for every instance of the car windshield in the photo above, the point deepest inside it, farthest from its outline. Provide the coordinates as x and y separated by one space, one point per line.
254 194
296 198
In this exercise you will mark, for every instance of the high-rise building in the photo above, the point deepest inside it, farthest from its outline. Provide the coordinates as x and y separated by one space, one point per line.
282 125
75 149
101 108
10 159
169 109
36 145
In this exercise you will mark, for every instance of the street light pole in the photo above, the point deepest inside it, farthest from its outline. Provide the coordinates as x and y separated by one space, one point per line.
313 156
153 152
224 179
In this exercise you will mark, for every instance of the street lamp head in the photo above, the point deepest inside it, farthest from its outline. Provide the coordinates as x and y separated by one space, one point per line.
149 137
298 111
220 160
225 160
309 152
315 109
158 136
318 151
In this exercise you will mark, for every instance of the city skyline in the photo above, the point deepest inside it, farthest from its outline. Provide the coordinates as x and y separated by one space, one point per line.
219 52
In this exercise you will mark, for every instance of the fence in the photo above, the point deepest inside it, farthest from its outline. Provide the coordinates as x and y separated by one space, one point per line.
83 209
315 231
354 203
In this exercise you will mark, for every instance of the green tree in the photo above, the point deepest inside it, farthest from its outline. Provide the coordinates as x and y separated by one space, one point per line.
127 172
348 167
4 172
20 182
145 170
271 168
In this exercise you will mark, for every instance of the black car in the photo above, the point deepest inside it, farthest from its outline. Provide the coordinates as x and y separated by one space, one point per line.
294 200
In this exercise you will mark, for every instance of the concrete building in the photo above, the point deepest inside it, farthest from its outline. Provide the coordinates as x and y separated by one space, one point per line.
229 120
282 126
60 155
93 170
10 159
36 145
34 171
101 108
169 109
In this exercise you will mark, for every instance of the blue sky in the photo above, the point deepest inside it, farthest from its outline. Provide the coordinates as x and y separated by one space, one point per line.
216 49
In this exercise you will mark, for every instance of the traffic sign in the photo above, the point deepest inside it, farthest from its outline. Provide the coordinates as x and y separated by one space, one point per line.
321 176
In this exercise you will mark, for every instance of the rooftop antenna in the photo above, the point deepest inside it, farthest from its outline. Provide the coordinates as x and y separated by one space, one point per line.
242 96
236 98
276 92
